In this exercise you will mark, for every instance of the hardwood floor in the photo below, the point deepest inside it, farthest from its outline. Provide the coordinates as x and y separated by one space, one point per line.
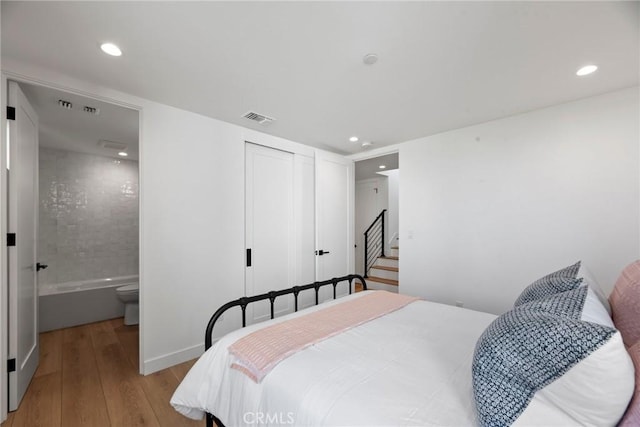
88 376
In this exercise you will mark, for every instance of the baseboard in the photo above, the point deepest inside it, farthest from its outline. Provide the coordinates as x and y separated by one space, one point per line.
166 361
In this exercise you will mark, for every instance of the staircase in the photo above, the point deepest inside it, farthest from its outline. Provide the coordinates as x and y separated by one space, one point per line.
383 274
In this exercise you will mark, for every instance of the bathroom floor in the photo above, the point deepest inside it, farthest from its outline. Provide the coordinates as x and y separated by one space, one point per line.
88 376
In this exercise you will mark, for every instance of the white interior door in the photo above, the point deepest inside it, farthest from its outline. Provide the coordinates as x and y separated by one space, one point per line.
334 216
269 227
22 220
305 203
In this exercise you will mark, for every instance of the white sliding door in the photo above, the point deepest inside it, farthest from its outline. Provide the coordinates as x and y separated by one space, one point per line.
270 227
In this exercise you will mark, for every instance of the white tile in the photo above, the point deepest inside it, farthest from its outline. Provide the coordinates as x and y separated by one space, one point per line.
88 216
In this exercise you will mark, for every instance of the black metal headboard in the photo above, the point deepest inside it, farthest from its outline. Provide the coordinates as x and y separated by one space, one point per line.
271 296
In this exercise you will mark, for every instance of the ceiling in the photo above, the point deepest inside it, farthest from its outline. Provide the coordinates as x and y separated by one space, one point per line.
370 168
442 65
76 130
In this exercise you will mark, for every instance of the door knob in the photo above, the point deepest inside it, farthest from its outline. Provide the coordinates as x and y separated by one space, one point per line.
41 266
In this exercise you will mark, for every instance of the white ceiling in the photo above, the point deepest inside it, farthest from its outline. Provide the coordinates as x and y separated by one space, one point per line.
443 65
75 130
370 168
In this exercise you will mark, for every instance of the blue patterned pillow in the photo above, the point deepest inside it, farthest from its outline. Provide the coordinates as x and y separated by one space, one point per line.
526 349
559 281
568 304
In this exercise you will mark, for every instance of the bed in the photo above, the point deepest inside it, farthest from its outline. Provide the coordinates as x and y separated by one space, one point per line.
425 364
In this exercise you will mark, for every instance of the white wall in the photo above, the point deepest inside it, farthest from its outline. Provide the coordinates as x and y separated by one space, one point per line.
192 194
394 213
192 215
484 210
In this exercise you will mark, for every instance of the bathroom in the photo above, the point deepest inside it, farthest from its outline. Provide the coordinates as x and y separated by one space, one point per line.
88 210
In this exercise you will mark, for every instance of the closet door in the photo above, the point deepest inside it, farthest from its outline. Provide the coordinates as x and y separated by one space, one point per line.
335 218
269 227
304 171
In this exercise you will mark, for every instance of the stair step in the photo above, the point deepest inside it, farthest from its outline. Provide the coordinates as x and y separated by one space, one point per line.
384 267
385 272
390 257
382 280
395 247
387 262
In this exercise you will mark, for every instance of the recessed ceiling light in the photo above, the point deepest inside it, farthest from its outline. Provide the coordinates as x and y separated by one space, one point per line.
370 58
366 144
382 167
123 154
111 49
353 139
586 70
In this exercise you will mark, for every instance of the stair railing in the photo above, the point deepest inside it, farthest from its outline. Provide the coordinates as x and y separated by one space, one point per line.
374 242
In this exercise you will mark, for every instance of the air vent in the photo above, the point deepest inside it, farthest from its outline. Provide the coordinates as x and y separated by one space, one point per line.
261 119
91 110
112 145
65 104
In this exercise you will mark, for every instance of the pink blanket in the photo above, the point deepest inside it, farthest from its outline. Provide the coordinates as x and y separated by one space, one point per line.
259 352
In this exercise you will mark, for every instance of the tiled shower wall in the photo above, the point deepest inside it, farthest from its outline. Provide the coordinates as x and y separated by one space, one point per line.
88 216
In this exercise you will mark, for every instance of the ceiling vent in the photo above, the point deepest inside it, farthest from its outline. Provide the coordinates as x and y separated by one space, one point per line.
65 104
112 145
261 119
91 110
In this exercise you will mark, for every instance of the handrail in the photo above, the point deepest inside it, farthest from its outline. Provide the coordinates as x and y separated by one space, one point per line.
379 243
271 296
374 221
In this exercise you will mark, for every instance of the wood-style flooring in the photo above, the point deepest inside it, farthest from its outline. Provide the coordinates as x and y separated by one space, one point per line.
88 376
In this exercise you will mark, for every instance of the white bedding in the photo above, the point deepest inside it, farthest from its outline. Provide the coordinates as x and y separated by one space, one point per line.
410 367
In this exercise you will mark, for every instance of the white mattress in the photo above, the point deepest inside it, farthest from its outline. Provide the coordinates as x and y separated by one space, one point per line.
410 367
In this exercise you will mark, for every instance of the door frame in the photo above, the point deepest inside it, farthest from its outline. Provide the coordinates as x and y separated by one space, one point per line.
372 154
5 77
381 203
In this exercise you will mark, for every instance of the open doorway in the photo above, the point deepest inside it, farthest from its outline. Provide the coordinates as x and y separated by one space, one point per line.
376 223
86 208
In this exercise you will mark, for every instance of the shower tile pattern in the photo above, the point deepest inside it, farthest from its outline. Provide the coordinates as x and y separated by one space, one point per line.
88 216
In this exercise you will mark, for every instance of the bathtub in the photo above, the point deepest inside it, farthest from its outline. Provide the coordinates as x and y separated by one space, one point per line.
62 305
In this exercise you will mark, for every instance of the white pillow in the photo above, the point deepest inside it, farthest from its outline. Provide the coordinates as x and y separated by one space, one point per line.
595 392
594 311
588 279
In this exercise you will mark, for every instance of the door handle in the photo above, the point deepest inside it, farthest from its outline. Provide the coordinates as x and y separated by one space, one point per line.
322 252
41 266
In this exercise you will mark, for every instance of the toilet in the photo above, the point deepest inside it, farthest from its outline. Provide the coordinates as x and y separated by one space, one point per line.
128 294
